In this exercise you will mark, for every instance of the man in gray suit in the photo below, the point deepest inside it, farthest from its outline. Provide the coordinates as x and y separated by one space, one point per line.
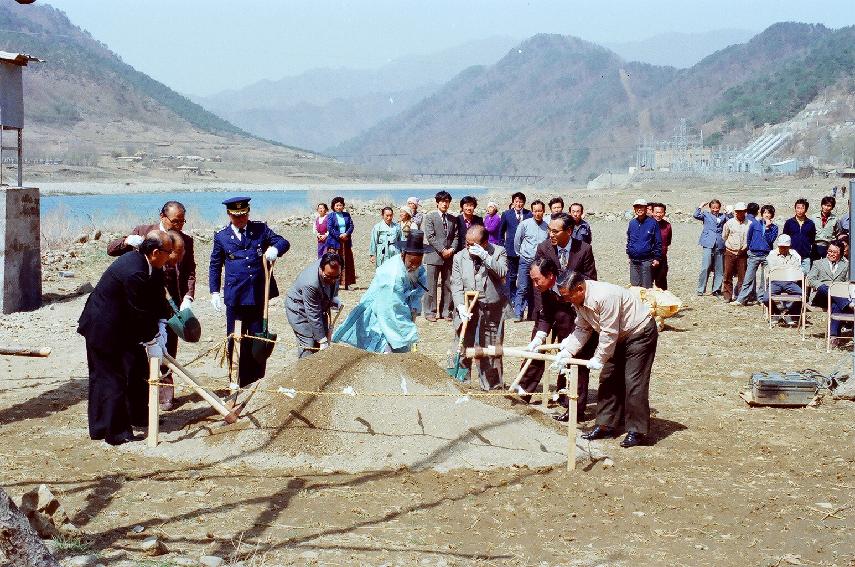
441 236
481 267
309 300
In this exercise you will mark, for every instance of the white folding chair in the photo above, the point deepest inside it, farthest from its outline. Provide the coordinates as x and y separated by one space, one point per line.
787 274
837 289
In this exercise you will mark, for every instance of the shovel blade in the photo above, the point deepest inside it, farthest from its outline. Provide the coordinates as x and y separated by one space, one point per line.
261 350
459 373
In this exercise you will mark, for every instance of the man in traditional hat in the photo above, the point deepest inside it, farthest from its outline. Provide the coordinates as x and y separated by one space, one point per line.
121 324
384 320
179 275
241 247
309 300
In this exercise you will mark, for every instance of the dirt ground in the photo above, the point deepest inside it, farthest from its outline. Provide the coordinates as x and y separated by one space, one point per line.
723 484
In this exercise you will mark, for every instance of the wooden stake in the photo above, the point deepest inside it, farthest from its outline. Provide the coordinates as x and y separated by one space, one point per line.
25 351
212 399
572 397
153 401
234 368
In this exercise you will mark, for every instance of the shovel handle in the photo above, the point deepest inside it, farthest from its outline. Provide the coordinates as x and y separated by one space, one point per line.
268 276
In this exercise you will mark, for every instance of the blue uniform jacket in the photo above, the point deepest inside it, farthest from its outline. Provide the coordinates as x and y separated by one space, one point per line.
644 240
713 225
803 236
333 231
760 239
244 280
508 228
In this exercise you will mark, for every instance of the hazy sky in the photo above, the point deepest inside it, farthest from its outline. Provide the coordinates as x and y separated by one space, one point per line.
205 46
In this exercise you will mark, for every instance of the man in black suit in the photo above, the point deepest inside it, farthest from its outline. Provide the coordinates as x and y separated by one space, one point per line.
124 324
567 252
466 219
557 318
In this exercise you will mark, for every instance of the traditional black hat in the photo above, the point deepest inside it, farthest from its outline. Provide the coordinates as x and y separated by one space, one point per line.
237 205
415 243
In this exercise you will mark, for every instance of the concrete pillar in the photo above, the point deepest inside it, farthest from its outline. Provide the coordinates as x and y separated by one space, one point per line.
20 249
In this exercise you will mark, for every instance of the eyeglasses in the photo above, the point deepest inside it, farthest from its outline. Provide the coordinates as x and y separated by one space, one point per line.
176 222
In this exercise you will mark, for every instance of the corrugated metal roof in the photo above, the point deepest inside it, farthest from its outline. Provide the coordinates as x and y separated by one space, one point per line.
17 58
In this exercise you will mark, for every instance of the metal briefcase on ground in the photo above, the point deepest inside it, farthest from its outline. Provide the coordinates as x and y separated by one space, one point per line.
787 389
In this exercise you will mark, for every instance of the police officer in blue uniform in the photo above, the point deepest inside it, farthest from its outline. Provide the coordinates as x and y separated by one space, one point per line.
241 247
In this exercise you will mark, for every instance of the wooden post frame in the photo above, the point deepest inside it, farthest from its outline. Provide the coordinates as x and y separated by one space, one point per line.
153 401
215 402
234 365
572 397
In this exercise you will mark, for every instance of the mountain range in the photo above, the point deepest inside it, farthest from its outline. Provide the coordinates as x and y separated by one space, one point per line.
557 105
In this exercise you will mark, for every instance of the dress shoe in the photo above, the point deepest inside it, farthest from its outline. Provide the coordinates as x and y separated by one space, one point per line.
564 417
599 432
123 438
633 439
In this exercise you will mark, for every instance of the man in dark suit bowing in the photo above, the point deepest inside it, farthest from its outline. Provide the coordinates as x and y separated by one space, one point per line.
123 321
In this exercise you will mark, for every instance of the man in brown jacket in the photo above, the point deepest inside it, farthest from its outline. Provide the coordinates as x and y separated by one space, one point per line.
179 274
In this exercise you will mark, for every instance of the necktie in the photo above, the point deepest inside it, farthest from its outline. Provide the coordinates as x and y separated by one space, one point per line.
241 232
445 224
563 258
519 216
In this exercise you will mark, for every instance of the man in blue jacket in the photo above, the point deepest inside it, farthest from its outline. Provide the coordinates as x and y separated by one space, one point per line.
241 247
643 246
713 245
761 239
507 229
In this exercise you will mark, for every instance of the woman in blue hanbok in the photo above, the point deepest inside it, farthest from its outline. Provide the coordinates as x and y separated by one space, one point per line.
384 319
385 239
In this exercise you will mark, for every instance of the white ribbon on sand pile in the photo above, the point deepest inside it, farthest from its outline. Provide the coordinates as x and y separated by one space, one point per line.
349 391
404 385
290 392
461 400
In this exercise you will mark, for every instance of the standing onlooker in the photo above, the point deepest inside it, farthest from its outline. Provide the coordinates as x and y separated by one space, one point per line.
493 222
481 267
824 221
802 232
581 228
751 211
440 230
643 246
405 220
760 237
417 217
660 272
511 219
713 245
529 234
466 220
385 236
735 235
556 207
319 227
339 231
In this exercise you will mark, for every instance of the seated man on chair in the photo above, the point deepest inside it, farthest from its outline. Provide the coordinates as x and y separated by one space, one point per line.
784 256
824 272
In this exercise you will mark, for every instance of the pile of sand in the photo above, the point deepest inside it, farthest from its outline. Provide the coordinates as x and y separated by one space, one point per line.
359 433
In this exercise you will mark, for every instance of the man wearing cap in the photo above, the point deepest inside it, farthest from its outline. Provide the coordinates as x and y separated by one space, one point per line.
307 305
241 247
643 245
785 256
735 235
384 319
179 276
416 217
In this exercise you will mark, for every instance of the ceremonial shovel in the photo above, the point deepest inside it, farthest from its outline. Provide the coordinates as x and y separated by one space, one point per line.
262 349
470 298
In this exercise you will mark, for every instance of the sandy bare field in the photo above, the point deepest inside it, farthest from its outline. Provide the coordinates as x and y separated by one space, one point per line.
724 484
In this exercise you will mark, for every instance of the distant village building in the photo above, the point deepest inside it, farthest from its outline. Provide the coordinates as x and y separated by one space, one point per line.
786 167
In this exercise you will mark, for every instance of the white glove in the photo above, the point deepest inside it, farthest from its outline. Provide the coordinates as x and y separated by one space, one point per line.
336 303
561 360
271 253
161 335
133 240
186 303
595 364
539 337
477 251
323 344
217 301
153 349
464 313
